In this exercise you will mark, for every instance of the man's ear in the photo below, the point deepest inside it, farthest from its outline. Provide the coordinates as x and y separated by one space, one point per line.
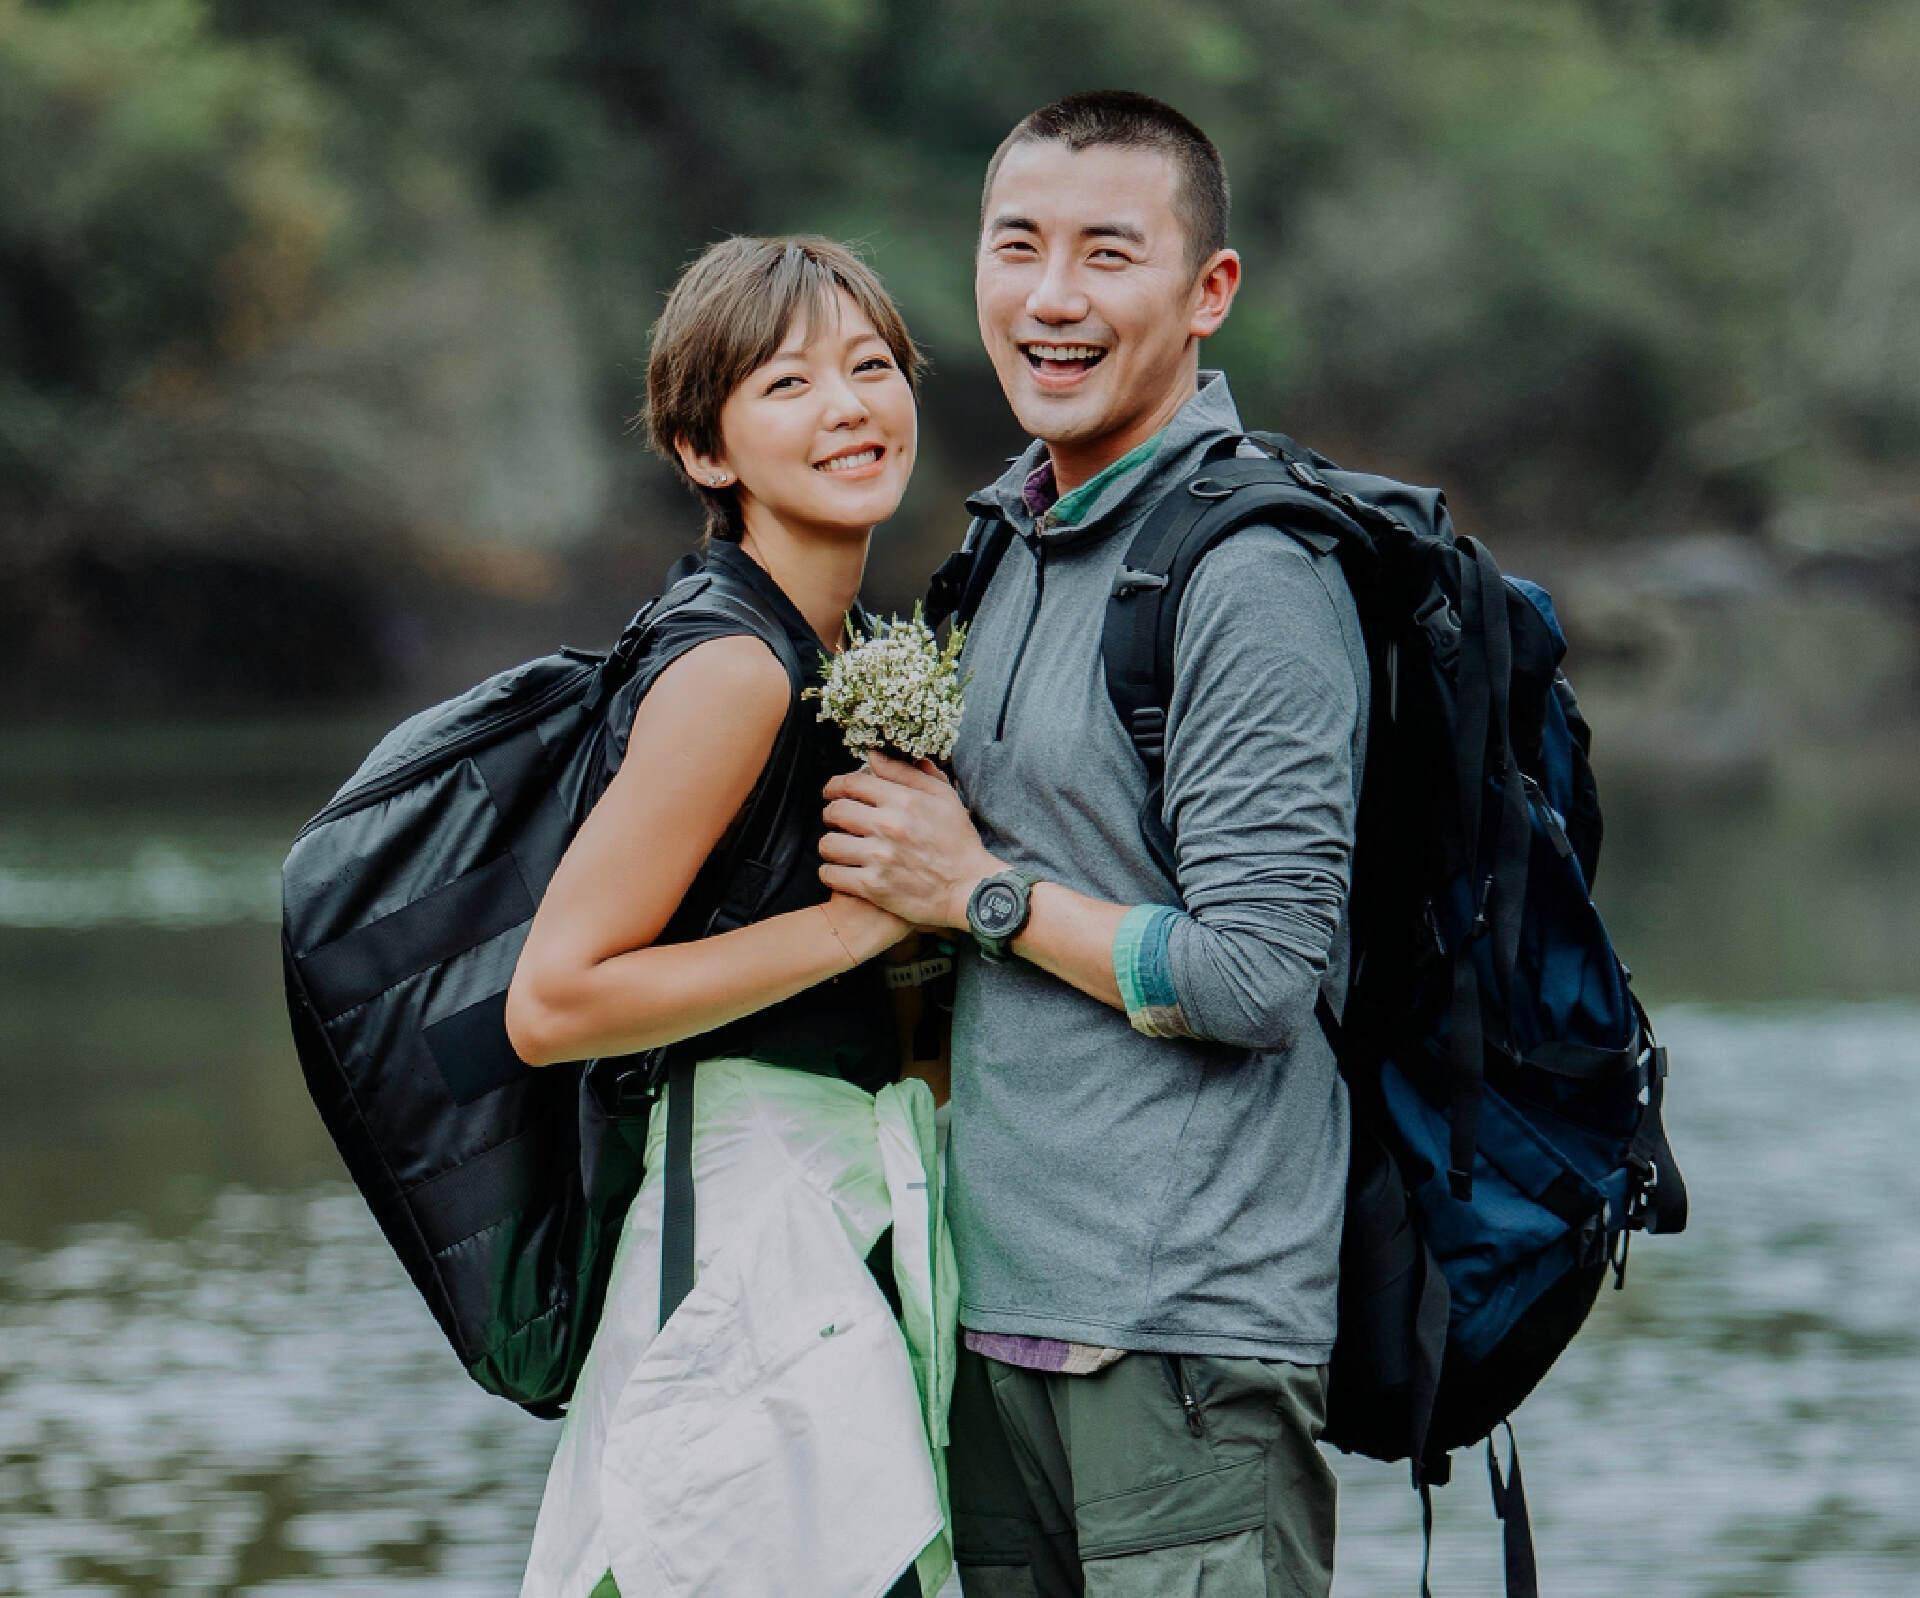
1213 292
711 470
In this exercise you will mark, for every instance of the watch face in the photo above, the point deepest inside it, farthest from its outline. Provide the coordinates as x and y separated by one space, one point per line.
997 907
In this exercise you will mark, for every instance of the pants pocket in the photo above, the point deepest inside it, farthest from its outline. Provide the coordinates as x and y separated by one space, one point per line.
1218 1567
1189 1509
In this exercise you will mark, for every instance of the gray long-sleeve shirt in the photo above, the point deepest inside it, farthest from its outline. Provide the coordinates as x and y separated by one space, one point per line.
1179 1194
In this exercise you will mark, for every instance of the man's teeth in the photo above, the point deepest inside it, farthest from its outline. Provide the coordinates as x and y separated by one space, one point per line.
847 463
1064 352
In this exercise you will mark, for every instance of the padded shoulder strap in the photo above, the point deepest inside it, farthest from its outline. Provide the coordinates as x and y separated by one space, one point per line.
726 599
1143 612
955 590
760 857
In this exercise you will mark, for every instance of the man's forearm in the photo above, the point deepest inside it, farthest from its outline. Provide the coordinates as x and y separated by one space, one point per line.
1070 936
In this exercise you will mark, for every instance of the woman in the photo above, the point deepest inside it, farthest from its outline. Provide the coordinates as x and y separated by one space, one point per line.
778 1434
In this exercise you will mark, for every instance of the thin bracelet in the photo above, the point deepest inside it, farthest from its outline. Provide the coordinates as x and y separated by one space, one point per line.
837 938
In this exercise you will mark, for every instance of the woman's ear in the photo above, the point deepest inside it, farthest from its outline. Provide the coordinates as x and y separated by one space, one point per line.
709 470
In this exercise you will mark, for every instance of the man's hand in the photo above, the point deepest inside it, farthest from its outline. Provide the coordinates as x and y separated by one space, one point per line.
900 838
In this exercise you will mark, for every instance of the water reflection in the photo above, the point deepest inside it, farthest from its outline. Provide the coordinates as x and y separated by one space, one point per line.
258 1400
263 1397
219 1379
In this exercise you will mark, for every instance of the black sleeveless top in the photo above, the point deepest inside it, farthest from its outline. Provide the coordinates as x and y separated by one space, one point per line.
842 1027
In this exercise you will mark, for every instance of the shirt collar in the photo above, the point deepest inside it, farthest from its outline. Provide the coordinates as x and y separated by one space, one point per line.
1026 491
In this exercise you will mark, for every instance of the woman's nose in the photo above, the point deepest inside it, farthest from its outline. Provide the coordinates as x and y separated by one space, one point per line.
845 407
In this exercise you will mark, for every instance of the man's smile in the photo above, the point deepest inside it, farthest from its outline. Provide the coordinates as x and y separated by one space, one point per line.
1059 364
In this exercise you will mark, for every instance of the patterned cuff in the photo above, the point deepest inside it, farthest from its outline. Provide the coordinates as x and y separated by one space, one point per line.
1144 971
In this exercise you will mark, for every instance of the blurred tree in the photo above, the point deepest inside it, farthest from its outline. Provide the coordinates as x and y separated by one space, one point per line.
369 286
166 208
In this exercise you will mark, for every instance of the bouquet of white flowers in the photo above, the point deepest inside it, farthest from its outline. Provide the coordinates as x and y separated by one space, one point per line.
897 690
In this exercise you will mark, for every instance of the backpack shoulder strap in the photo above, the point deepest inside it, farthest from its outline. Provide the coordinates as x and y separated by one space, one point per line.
723 597
1137 645
769 838
955 590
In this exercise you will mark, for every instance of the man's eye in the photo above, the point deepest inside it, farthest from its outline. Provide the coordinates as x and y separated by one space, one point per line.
1111 254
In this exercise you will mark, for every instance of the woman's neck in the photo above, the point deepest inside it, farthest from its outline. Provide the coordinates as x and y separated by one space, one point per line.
820 574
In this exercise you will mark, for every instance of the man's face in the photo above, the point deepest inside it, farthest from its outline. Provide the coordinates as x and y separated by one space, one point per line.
1089 308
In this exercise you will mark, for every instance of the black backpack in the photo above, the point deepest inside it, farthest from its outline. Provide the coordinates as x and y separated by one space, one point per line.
1506 1084
502 1187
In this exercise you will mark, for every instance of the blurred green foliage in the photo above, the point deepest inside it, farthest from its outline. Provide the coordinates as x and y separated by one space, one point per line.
342 286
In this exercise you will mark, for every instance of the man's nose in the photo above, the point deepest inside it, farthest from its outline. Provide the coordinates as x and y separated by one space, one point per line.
1056 297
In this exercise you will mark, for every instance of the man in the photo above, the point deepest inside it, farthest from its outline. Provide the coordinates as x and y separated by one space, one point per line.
1148 1161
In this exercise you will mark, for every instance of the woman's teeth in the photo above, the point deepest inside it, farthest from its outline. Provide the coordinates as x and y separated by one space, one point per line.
848 463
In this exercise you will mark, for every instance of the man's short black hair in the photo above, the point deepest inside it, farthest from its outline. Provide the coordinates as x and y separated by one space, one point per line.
1135 121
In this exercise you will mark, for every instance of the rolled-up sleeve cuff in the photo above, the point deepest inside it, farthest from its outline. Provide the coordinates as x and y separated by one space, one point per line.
1144 971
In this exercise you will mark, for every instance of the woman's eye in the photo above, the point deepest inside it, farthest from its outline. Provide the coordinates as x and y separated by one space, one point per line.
774 386
879 361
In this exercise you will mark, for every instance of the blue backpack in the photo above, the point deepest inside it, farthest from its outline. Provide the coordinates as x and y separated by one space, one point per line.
1506 1084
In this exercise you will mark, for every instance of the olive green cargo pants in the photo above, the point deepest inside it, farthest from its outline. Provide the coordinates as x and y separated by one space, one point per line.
1158 1477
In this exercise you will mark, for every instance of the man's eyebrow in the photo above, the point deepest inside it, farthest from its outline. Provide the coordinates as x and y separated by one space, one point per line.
1093 230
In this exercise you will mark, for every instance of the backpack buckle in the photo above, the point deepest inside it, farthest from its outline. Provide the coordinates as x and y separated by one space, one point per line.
1208 488
1147 727
1643 1176
1306 476
1130 581
1437 618
634 1082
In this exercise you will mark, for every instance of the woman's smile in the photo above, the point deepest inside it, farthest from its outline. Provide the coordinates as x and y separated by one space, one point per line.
854 460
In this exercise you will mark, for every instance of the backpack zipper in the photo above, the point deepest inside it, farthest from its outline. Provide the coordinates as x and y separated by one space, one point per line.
1039 552
1556 833
404 775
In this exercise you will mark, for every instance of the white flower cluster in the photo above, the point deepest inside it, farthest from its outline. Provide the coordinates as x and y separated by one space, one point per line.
898 690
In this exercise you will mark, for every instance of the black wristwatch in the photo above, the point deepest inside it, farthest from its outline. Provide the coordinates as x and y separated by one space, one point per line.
997 910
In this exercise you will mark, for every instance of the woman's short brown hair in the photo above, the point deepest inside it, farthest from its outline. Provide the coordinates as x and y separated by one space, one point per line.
727 316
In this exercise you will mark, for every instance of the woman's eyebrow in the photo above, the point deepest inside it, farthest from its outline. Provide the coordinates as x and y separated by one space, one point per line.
799 352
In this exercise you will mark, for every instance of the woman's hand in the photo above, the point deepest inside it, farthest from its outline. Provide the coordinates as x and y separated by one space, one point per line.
863 929
898 835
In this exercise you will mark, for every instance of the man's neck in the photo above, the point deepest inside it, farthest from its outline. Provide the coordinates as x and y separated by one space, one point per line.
1080 461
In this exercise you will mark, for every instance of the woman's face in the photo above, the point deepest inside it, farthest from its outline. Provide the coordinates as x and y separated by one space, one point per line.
822 436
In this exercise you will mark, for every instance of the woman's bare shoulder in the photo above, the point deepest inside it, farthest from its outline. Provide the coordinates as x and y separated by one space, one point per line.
733 685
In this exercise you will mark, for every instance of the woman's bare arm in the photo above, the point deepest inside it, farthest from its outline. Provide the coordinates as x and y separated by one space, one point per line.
589 983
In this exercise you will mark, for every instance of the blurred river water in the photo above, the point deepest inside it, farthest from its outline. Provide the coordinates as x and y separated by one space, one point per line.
218 1379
